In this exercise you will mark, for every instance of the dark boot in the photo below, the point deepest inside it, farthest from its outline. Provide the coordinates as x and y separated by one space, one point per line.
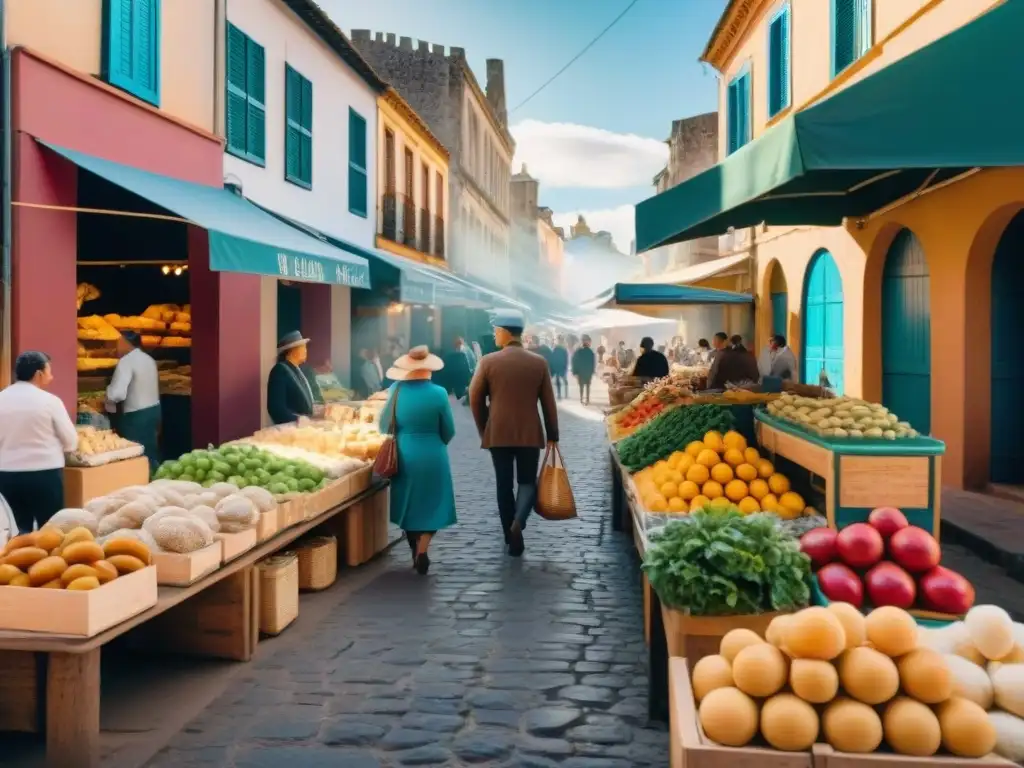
412 539
526 499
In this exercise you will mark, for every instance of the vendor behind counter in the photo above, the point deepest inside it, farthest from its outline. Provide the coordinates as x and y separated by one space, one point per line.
133 397
651 364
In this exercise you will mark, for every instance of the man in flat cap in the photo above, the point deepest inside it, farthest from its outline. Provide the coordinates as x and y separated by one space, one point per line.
503 396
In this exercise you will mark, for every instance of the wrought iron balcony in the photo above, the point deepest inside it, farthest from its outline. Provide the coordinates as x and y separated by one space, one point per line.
439 237
389 216
408 207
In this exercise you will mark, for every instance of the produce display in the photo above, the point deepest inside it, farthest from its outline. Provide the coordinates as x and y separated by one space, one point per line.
52 558
717 471
670 432
243 465
869 677
333 466
841 417
358 440
886 561
713 564
92 441
175 379
366 413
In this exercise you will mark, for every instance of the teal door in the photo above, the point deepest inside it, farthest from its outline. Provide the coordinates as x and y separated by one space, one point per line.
823 322
780 312
1007 377
907 333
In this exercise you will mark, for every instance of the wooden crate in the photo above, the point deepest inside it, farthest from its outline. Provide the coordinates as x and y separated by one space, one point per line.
690 748
180 570
359 481
83 484
318 562
267 527
366 528
236 544
694 637
279 592
83 614
826 757
291 512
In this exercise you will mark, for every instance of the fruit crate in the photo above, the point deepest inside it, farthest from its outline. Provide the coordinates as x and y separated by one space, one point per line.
929 619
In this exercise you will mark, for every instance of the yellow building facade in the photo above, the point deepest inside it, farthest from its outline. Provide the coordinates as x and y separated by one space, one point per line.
944 243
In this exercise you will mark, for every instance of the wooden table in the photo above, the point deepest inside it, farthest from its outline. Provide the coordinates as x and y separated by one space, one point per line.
217 616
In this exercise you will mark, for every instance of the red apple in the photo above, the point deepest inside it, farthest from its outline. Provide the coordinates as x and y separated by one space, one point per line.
840 584
819 544
946 591
859 545
915 549
888 584
887 520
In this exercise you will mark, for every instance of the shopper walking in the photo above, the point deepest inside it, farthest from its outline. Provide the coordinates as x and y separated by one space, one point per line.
134 397
35 433
584 364
289 394
560 367
420 415
503 396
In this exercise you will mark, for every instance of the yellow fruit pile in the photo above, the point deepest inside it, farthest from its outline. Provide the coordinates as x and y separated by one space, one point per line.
866 676
715 473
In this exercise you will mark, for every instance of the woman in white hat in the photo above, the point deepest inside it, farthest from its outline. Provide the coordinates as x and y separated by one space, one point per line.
419 415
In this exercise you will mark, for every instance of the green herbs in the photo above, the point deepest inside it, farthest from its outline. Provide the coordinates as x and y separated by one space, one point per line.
714 563
671 431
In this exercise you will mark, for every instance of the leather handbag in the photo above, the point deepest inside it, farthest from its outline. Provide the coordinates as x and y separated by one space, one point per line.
386 463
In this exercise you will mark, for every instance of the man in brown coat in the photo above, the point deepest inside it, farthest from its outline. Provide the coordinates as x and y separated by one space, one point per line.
503 396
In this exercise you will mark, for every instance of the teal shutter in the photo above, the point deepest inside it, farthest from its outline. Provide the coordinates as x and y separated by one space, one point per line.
743 114
357 162
256 100
844 34
131 47
784 61
732 117
778 62
306 140
237 100
298 132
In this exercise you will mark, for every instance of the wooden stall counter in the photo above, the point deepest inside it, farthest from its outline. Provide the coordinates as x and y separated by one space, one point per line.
83 484
862 474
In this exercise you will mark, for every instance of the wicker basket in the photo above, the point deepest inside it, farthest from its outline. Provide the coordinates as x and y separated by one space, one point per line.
554 494
318 562
279 592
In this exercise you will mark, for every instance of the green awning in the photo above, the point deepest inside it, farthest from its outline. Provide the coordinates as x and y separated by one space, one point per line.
915 124
243 238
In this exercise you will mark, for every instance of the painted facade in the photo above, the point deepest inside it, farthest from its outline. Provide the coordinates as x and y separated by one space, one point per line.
917 276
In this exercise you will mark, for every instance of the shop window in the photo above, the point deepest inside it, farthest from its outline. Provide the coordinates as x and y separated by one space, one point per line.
298 129
131 47
738 110
246 97
851 32
357 185
779 53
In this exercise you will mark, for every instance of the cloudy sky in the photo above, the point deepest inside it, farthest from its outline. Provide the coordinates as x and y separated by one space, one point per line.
595 136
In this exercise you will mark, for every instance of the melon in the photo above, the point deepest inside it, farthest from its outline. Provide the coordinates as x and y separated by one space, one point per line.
709 674
729 717
789 723
851 726
760 670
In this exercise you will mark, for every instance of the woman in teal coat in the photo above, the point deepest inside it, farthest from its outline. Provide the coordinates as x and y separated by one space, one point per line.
420 415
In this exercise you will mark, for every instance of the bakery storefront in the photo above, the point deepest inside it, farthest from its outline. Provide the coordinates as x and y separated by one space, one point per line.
121 221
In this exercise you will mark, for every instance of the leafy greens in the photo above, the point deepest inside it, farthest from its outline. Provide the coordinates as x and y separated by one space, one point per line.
672 431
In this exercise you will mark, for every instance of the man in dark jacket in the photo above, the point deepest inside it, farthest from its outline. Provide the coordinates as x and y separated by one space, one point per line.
651 364
289 394
584 363
734 364
559 365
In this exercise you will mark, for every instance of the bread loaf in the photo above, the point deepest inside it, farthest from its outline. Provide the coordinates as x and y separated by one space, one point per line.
220 490
84 583
25 557
135 512
104 571
236 513
126 564
77 571
71 518
126 546
23 540
261 497
21 580
78 534
182 534
103 506
47 569
138 534
114 522
82 552
49 538
208 515
8 572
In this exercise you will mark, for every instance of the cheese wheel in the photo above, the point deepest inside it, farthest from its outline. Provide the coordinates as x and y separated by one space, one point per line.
127 546
77 571
104 571
126 564
82 552
83 584
47 569
25 557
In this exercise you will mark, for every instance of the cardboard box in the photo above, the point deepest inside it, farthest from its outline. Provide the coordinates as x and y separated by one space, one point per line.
236 544
180 570
267 526
83 484
84 614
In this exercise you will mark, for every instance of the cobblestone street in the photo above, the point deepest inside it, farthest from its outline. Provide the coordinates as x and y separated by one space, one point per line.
491 661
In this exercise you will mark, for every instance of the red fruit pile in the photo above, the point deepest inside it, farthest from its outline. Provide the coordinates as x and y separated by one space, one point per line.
893 562
641 413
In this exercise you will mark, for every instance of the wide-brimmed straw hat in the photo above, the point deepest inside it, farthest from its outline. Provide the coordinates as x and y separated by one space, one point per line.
416 359
291 340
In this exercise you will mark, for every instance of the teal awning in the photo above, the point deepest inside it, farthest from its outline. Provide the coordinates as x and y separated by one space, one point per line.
243 238
632 295
914 124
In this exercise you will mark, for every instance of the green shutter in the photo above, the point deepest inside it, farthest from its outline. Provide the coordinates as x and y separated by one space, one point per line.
844 34
237 100
298 134
732 121
778 62
131 47
357 162
256 99
743 97
784 60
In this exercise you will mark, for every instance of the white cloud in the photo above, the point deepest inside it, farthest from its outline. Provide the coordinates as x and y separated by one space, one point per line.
570 155
619 221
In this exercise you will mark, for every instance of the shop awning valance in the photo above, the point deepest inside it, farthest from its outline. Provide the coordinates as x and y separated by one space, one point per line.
243 237
932 116
633 295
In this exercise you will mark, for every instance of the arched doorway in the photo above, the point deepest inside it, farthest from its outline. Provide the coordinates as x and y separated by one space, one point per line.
1007 375
823 322
906 332
780 301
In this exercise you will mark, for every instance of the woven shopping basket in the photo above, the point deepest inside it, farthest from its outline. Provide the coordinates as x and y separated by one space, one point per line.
554 494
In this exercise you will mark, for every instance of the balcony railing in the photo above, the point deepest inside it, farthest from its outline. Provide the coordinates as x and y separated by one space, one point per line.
439 237
425 226
408 221
389 217
402 222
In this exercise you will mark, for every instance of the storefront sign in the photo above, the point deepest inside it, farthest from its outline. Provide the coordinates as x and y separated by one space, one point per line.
233 254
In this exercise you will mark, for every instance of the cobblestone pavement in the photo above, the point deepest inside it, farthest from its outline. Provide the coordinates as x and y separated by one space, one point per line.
530 663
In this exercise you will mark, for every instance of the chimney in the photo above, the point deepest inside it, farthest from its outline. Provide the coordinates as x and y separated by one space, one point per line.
496 89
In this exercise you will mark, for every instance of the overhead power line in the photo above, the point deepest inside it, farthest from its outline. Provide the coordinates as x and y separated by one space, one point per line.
575 58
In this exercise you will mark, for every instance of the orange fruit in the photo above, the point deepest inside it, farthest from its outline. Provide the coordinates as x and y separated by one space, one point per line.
751 456
713 440
721 504
736 490
748 505
712 489
759 488
721 472
792 502
734 439
698 474
675 504
685 462
746 472
669 489
695 448
779 484
675 476
660 476
673 460
733 457
770 503
699 502
765 469
688 490
657 503
708 458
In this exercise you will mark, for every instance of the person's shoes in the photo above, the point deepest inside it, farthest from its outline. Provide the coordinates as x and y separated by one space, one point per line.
422 564
516 545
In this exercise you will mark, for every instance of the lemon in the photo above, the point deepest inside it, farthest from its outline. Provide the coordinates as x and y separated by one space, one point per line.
698 474
675 504
770 503
685 462
749 505
688 490
675 476
765 469
712 489
660 477
699 502
734 439
721 472
646 488
751 455
670 489
779 484
713 440
707 457
736 490
695 448
660 464
657 503
759 488
792 502
733 457
746 472
673 460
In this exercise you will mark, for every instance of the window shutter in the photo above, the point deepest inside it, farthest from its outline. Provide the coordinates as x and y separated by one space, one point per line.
293 108
743 97
863 27
732 117
306 115
146 46
131 47
844 29
236 99
256 118
775 66
358 191
784 60
306 121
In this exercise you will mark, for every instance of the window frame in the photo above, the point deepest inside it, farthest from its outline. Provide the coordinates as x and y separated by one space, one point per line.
297 125
743 72
110 46
863 33
786 86
363 170
244 153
